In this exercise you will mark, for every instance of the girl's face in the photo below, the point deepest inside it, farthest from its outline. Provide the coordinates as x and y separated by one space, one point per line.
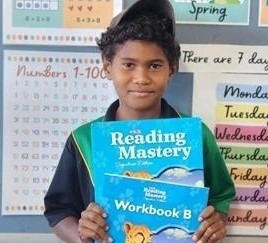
140 72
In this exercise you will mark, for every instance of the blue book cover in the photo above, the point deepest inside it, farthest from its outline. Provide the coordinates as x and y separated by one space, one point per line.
143 210
163 149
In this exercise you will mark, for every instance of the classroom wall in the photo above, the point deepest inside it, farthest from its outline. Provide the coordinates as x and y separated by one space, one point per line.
34 228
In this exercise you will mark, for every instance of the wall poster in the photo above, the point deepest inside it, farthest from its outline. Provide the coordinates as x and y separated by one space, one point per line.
263 13
224 58
237 112
46 95
57 22
215 12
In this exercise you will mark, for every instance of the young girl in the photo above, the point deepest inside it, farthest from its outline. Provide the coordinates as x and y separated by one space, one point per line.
140 55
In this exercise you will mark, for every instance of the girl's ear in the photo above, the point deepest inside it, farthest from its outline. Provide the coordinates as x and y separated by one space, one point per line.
107 68
174 69
171 73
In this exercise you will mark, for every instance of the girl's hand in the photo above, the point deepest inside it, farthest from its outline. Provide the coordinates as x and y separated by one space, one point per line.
92 225
212 228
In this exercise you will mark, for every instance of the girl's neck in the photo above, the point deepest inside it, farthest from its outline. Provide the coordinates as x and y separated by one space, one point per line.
126 114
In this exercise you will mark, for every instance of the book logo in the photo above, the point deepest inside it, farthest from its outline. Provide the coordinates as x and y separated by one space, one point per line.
167 145
152 193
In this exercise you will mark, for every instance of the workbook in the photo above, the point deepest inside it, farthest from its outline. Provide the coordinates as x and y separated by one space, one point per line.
144 210
167 149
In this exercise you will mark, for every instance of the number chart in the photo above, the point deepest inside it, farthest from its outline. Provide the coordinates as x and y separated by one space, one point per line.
46 95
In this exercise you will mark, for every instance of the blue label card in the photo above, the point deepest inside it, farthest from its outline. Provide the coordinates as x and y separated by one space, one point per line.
217 12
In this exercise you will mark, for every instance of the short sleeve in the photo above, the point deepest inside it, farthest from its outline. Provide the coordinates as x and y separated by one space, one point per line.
63 197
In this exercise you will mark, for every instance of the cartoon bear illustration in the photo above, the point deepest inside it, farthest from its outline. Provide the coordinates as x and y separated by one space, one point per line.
138 174
137 233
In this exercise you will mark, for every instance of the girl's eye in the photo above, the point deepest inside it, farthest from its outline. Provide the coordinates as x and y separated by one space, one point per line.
128 65
155 66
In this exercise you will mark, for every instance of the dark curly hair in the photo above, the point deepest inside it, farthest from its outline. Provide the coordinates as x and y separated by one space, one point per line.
145 27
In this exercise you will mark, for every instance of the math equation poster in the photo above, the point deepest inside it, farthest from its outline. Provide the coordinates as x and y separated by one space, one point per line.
237 112
46 95
57 22
263 13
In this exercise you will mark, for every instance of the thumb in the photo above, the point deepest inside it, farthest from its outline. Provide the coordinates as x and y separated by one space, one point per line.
207 212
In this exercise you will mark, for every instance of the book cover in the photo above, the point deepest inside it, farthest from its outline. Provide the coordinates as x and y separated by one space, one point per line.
144 210
163 149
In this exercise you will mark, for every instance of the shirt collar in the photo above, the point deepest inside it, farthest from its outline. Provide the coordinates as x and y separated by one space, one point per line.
166 111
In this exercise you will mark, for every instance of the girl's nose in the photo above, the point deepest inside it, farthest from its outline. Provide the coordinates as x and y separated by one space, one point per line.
141 77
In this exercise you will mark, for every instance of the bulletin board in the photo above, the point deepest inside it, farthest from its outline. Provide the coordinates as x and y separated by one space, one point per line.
49 78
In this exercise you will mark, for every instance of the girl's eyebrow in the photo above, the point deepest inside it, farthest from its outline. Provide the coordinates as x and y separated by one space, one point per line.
135 60
128 59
